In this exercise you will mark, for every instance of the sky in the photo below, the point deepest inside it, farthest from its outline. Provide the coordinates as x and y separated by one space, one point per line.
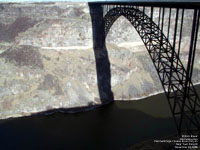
70 0
38 0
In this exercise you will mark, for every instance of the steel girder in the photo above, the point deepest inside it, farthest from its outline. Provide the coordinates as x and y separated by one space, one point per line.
183 99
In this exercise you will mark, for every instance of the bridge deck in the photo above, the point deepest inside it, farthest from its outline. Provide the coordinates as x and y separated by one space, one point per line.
155 3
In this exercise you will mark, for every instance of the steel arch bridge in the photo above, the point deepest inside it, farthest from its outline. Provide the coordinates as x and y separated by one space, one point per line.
175 78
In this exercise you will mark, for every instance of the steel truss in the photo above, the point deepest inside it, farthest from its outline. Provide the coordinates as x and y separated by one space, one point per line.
182 97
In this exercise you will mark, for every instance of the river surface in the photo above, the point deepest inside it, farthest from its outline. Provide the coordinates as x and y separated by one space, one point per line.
118 125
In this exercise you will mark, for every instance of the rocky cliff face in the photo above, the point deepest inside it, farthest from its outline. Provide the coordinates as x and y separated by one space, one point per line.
47 59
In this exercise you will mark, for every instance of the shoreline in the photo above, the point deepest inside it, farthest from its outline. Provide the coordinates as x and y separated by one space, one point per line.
153 94
74 110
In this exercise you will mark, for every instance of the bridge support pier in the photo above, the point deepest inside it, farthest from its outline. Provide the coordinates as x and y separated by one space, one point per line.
101 54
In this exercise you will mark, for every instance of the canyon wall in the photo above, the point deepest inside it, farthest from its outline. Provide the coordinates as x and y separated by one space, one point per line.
47 59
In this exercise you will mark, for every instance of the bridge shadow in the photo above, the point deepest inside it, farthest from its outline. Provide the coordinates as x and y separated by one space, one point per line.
101 54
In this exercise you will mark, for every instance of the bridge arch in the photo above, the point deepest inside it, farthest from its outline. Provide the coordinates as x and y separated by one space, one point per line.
155 41
175 79
142 24
164 57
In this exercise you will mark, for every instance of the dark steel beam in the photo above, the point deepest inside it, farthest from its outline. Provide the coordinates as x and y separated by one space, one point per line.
167 4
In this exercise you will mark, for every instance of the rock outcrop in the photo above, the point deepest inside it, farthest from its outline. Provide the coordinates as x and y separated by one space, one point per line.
47 59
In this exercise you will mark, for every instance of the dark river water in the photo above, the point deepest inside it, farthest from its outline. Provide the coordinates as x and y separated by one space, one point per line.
118 125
